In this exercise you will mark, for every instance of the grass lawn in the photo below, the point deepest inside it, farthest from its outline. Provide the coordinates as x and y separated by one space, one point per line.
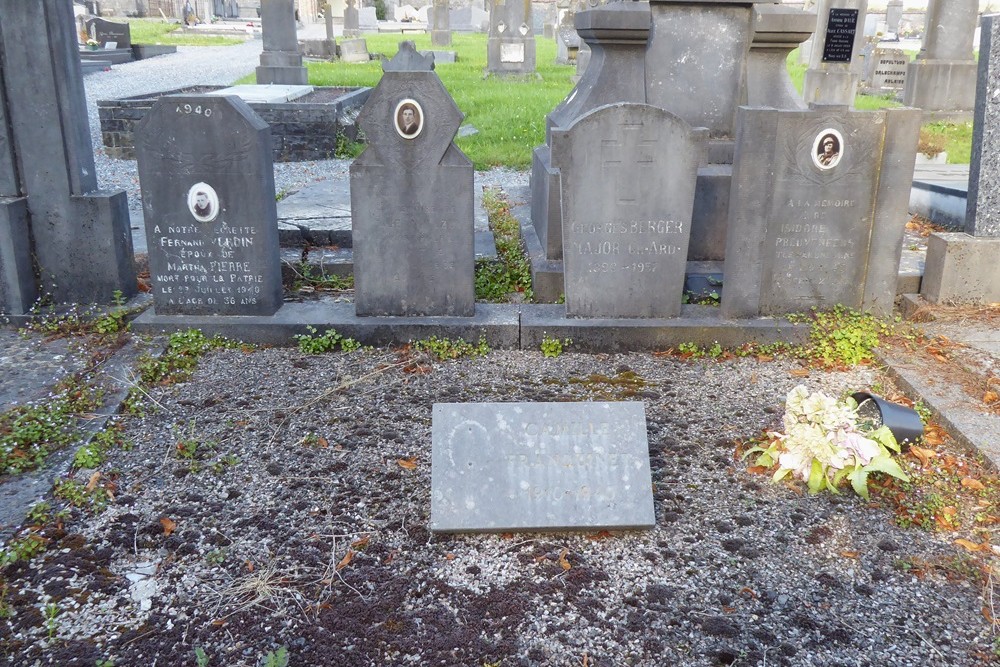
154 31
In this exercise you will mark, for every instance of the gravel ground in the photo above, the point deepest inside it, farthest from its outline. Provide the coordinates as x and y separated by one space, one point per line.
220 65
295 524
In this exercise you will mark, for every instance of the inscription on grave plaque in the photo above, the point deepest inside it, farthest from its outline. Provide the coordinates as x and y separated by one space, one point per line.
531 466
512 52
840 30
890 69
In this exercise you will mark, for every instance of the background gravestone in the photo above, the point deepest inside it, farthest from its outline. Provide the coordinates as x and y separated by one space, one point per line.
966 266
943 77
80 240
818 209
887 72
536 466
440 26
280 62
211 220
628 175
510 47
834 71
352 21
412 198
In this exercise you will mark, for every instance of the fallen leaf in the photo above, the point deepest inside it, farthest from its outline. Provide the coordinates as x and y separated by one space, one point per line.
728 610
219 622
972 546
169 526
757 470
987 615
507 536
933 435
849 554
249 566
346 560
991 397
603 535
764 357
449 556
361 542
799 373
92 484
973 484
323 442
749 591
563 561
925 455
408 464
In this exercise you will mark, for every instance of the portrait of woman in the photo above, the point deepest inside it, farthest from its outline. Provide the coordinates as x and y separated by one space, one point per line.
409 118
827 149
203 202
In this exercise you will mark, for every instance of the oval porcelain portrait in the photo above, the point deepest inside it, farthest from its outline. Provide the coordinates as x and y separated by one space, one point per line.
409 118
828 148
203 202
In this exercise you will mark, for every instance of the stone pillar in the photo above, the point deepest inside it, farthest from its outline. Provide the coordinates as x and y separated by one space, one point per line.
281 61
440 23
79 236
777 30
352 22
834 68
893 16
510 47
943 78
966 267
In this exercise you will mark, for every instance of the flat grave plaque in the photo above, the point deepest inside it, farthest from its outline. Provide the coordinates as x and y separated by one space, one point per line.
840 30
497 467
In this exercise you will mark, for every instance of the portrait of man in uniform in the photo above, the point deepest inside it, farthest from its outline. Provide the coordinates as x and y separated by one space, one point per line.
409 119
203 202
827 149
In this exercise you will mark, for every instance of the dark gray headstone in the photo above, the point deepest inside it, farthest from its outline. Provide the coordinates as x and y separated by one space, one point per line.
540 466
80 237
628 179
982 216
280 62
110 31
207 180
17 278
818 209
412 198
510 47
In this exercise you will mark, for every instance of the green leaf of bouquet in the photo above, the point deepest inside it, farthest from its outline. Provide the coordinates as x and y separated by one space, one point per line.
888 466
859 481
816 477
780 474
841 474
765 460
883 436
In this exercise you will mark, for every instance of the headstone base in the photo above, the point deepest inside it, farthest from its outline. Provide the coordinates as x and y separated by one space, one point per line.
829 87
293 76
941 85
507 57
17 278
103 267
961 269
546 210
441 37
354 51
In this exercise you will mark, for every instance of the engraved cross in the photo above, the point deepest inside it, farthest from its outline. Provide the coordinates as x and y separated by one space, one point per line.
618 156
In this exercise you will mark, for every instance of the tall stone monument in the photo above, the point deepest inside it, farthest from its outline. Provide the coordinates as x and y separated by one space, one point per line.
966 266
943 77
211 221
510 47
412 198
834 69
440 23
893 16
352 20
280 61
80 244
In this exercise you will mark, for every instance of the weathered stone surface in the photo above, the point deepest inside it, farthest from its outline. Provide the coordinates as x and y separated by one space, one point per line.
354 51
209 209
412 199
943 78
510 47
17 279
887 72
808 228
280 61
777 30
539 466
80 258
628 180
982 217
440 23
352 20
961 269
834 69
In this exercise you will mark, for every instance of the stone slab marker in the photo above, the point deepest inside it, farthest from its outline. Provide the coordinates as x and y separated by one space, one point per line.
440 15
943 77
80 238
628 179
280 61
834 69
412 198
540 466
211 220
818 209
510 47
966 266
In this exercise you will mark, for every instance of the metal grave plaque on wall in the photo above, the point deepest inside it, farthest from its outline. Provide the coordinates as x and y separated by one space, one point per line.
840 30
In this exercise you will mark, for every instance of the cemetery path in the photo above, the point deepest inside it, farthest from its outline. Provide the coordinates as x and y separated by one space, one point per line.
282 499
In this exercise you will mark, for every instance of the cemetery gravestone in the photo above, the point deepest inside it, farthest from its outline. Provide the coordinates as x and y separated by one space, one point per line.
818 209
893 16
412 198
888 71
833 74
510 47
963 266
943 78
352 23
207 180
628 175
79 236
540 466
280 62
440 26
108 32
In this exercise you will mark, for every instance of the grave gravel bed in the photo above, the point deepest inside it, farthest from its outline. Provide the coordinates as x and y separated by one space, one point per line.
301 521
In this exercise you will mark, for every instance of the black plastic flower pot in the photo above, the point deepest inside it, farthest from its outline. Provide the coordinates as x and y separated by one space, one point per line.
903 421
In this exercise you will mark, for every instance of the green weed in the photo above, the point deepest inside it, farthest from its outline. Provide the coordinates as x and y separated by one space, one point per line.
328 341
447 348
508 277
553 347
